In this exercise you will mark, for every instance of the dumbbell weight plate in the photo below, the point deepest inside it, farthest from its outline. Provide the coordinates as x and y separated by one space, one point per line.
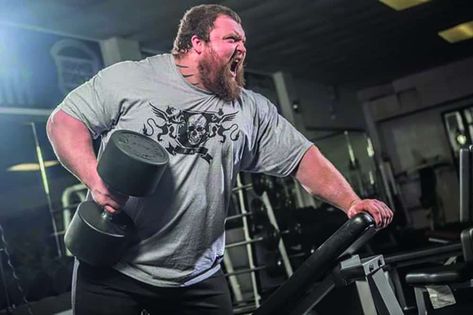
132 163
96 238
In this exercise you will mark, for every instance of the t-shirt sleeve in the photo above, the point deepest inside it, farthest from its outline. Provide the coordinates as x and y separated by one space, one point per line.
96 102
276 147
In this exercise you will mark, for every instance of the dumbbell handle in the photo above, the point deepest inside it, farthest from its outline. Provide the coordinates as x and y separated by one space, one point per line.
107 215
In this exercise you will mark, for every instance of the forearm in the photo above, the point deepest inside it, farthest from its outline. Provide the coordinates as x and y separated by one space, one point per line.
72 143
321 179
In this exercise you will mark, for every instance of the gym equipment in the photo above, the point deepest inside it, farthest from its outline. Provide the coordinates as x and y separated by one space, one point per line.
275 267
270 239
456 276
294 296
293 235
131 164
271 236
333 264
261 183
258 214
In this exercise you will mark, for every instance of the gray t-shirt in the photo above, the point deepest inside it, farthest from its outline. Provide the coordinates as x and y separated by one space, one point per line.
180 229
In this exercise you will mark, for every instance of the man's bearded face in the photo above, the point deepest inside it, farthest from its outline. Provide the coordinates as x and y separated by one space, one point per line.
222 76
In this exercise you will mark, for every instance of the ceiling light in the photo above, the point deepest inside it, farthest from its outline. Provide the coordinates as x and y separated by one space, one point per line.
399 5
29 167
458 33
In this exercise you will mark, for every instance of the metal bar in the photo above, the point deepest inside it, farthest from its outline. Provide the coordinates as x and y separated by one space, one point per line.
25 111
237 216
281 246
239 272
233 281
250 241
241 199
365 297
396 280
306 304
422 254
238 188
420 301
44 178
383 295
4 283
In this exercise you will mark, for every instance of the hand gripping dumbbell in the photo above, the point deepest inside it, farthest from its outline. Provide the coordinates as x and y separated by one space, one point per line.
131 164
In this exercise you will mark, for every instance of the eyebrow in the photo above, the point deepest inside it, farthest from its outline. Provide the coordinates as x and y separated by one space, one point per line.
235 35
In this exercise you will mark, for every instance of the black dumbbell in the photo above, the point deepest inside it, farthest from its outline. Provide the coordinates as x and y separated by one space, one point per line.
131 164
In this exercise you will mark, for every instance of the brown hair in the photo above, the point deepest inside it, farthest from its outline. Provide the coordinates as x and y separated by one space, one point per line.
199 21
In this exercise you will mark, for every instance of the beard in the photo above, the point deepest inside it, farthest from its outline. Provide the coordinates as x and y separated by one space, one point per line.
217 77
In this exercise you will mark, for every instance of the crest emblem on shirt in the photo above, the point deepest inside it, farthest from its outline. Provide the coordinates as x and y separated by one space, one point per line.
188 131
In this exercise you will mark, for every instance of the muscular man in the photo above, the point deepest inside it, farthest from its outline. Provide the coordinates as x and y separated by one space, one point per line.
193 103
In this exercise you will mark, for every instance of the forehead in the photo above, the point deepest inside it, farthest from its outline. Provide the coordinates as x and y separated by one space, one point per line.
225 25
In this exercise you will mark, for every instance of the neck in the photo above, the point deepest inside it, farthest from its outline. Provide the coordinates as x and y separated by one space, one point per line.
188 66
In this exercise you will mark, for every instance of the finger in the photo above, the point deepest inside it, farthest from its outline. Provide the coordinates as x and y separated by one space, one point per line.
117 203
375 213
113 204
384 215
100 200
110 209
377 209
390 213
385 212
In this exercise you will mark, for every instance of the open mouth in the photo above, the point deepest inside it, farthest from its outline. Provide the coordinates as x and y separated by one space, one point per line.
234 66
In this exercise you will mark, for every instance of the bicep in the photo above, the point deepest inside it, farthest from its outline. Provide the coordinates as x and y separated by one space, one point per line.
60 121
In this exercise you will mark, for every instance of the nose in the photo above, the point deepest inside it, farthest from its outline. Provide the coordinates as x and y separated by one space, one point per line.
241 48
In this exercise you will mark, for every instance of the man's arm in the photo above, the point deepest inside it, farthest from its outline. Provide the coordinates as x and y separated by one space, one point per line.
321 179
72 144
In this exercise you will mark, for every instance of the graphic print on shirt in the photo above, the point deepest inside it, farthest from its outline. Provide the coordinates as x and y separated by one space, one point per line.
187 132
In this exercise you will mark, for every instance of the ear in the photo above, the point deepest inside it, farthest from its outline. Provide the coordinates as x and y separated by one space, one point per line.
197 44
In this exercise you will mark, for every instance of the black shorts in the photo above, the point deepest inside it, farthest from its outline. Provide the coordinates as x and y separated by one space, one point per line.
101 291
